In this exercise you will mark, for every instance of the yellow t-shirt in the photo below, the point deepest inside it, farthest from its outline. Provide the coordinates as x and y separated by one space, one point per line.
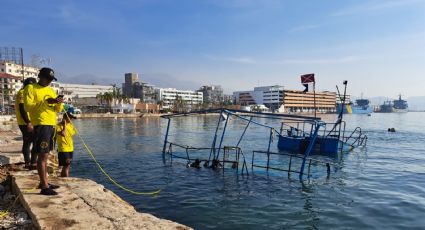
65 143
18 100
41 112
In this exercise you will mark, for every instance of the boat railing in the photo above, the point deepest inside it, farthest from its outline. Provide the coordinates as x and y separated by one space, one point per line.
356 138
289 167
238 156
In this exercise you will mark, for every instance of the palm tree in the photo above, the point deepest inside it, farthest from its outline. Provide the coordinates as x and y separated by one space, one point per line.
100 97
107 96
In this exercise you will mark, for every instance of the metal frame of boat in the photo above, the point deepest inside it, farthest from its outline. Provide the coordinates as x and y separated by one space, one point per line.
299 137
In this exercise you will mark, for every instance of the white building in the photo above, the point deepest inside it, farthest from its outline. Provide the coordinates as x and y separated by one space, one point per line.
186 99
82 91
270 96
9 86
16 69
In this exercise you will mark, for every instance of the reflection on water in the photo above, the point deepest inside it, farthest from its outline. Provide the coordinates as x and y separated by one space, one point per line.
373 187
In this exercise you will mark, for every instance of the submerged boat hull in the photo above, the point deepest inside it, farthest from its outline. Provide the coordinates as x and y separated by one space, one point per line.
327 146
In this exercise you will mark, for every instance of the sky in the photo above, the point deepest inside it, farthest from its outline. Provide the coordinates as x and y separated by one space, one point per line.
377 45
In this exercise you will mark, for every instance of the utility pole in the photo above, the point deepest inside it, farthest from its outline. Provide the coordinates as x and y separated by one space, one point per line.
22 64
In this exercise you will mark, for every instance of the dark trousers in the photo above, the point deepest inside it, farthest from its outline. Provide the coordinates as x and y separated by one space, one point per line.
28 139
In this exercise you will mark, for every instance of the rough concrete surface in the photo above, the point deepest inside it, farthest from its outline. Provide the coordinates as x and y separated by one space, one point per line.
82 204
10 148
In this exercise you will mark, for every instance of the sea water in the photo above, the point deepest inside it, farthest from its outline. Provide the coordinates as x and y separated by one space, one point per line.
381 186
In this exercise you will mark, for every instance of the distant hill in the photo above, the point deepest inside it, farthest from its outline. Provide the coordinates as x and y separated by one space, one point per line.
157 79
87 79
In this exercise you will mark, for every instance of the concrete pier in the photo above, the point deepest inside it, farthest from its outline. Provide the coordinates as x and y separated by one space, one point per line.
81 204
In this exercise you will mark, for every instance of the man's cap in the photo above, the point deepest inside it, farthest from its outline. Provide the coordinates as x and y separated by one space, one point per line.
68 114
29 80
47 73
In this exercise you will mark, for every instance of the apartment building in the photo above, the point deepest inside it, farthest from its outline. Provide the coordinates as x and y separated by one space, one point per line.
16 69
9 86
212 94
178 100
270 96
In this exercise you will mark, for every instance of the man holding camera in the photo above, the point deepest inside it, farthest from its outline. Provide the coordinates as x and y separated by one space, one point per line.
42 103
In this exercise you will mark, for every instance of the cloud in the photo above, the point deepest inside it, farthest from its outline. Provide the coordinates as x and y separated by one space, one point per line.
303 28
346 59
245 3
240 60
78 16
374 6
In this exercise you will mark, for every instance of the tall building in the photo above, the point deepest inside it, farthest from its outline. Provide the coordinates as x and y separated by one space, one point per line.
212 94
270 96
129 80
144 91
178 100
133 88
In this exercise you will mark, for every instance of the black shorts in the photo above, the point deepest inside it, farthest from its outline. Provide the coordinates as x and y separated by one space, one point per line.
65 158
27 136
43 138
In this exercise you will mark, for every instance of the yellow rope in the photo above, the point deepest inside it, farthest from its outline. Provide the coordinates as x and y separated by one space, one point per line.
104 172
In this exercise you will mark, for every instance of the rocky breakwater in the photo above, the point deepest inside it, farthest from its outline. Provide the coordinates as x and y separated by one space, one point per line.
12 214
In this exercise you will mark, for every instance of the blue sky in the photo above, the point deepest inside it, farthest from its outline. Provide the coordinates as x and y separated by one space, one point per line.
377 45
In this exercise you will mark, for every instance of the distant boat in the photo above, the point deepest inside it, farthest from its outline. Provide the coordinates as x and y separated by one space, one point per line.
360 107
395 106
400 106
387 107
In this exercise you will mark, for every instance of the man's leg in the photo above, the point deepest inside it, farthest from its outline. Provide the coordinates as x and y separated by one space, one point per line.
42 170
26 143
42 146
33 154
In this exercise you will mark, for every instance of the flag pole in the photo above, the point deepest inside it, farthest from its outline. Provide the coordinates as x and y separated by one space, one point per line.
314 97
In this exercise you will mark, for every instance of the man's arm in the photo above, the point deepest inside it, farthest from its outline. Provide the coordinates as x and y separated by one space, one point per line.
23 113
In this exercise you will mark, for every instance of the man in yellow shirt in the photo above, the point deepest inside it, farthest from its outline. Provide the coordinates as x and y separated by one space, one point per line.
42 103
25 126
64 133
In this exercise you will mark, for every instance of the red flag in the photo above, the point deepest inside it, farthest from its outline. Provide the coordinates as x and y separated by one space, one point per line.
307 78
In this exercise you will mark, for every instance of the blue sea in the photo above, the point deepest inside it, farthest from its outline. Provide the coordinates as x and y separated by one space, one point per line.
380 186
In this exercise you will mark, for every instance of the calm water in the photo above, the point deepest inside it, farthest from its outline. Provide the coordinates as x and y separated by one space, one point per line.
380 186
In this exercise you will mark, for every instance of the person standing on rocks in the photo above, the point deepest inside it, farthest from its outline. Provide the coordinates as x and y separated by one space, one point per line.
24 123
42 103
64 133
